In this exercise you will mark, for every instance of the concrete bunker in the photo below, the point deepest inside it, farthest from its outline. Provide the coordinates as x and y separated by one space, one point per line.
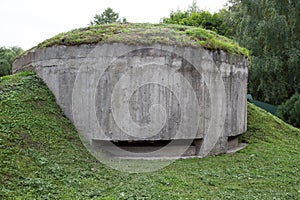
135 98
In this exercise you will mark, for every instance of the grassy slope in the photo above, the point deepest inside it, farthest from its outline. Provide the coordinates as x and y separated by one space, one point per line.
41 157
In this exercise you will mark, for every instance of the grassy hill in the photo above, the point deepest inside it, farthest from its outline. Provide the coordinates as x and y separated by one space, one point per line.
41 157
146 34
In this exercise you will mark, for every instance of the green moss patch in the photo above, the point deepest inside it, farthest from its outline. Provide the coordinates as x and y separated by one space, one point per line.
146 34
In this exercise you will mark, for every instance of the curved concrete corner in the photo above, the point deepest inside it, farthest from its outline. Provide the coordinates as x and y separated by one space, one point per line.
124 93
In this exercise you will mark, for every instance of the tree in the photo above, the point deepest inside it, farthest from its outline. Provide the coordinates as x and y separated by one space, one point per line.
7 57
270 29
107 17
194 16
194 7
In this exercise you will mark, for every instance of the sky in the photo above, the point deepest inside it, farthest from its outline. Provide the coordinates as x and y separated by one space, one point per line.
25 23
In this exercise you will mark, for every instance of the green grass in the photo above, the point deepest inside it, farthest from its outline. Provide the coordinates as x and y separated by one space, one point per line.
41 157
146 34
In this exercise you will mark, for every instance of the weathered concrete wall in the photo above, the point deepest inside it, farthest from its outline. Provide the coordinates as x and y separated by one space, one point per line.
126 93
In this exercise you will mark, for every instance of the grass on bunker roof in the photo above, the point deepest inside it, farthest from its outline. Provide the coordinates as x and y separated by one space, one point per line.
41 157
146 34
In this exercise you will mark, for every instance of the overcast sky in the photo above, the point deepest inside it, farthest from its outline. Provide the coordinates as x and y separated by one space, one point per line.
25 23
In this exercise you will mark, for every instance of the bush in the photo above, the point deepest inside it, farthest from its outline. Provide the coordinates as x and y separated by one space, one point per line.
290 110
5 68
7 57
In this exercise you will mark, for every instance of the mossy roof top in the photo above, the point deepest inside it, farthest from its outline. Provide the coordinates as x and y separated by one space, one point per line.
146 34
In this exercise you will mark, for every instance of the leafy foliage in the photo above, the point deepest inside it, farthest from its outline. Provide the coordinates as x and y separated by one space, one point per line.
270 29
107 17
290 110
42 158
199 18
7 56
5 67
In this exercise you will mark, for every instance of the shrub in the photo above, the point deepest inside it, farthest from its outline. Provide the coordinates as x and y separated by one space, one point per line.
5 67
290 110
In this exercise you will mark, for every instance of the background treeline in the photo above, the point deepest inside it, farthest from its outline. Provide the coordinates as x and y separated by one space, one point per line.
7 57
270 29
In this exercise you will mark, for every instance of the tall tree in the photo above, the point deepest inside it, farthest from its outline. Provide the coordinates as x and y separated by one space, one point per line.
270 29
107 17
